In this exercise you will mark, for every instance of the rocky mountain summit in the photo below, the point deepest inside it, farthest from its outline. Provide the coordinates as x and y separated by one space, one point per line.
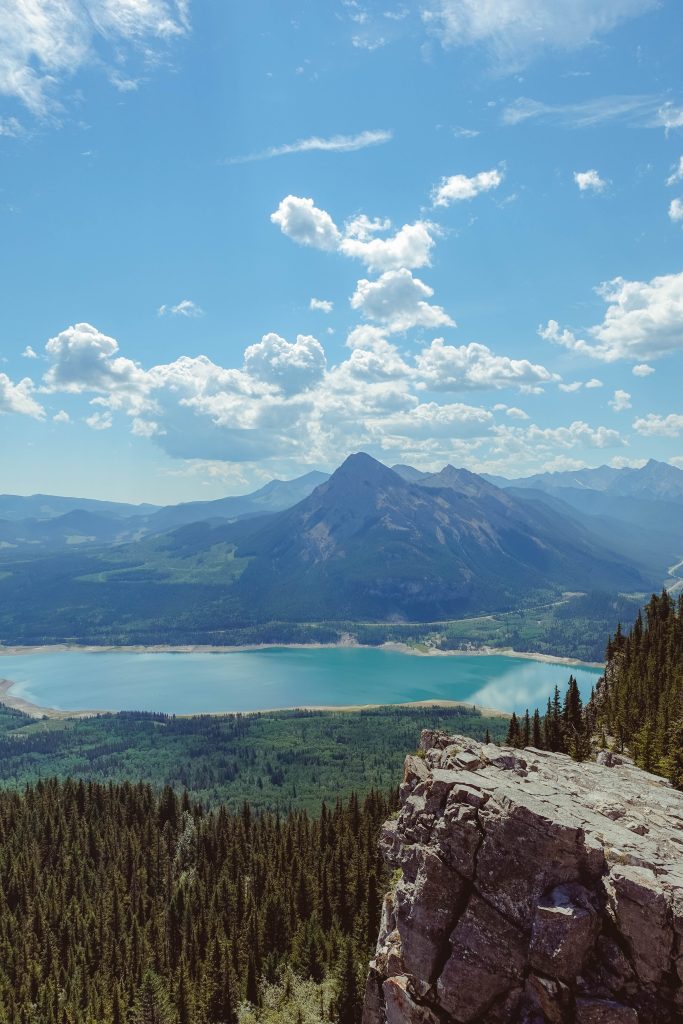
530 889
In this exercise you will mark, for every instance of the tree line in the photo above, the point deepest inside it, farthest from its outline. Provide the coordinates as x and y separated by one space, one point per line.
122 905
636 706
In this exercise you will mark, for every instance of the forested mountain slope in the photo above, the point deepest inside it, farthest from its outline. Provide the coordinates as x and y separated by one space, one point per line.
640 700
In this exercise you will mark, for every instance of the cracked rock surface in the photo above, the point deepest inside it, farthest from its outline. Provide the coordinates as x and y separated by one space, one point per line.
529 889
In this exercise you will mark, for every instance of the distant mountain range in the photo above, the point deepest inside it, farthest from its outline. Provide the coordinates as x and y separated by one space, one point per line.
654 480
368 543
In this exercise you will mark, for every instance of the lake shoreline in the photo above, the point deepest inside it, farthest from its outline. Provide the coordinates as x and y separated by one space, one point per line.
389 645
39 711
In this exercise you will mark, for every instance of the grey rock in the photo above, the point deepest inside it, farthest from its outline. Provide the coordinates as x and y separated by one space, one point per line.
534 890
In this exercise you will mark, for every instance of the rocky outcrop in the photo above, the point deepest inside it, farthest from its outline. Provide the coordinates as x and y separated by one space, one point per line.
529 888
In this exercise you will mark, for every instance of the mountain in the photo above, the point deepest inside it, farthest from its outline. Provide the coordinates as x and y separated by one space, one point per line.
273 497
49 506
369 544
653 481
78 527
365 545
51 523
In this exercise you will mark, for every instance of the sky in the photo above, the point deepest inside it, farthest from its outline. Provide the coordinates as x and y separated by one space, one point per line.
241 241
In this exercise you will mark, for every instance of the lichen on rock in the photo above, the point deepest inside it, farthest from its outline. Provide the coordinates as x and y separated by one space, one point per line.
533 889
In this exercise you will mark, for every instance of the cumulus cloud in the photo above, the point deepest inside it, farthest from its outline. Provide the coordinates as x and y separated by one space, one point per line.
332 144
61 417
18 398
399 300
430 420
654 425
29 353
589 181
321 305
44 41
450 368
459 187
84 359
305 223
302 221
100 421
621 400
643 320
285 405
517 29
409 247
642 370
676 210
291 367
186 307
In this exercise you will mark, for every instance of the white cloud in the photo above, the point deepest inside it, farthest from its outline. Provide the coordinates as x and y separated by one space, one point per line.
29 353
676 174
514 30
594 383
643 111
10 128
676 210
623 462
19 398
642 370
589 181
430 421
286 406
84 359
61 417
186 307
290 367
45 41
654 425
399 300
299 219
321 305
409 247
453 368
643 320
333 144
458 187
100 421
570 388
670 116
620 401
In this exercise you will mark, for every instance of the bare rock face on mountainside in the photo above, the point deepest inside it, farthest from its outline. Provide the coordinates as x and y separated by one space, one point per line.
532 889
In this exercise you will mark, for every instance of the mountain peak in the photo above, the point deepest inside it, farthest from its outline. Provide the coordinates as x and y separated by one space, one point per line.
362 467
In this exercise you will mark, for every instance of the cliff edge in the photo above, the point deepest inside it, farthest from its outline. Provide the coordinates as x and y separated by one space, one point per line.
529 888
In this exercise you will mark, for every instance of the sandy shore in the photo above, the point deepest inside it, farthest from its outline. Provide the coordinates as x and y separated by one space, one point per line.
389 645
37 711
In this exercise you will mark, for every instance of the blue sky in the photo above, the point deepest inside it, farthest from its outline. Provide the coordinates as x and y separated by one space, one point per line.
484 199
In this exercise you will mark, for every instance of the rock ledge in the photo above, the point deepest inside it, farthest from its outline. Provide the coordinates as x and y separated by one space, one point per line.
529 889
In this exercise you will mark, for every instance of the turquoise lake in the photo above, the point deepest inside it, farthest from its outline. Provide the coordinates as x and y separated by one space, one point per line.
279 678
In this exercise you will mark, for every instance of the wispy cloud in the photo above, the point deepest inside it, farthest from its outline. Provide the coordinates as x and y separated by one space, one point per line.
645 111
333 144
186 307
514 31
43 43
